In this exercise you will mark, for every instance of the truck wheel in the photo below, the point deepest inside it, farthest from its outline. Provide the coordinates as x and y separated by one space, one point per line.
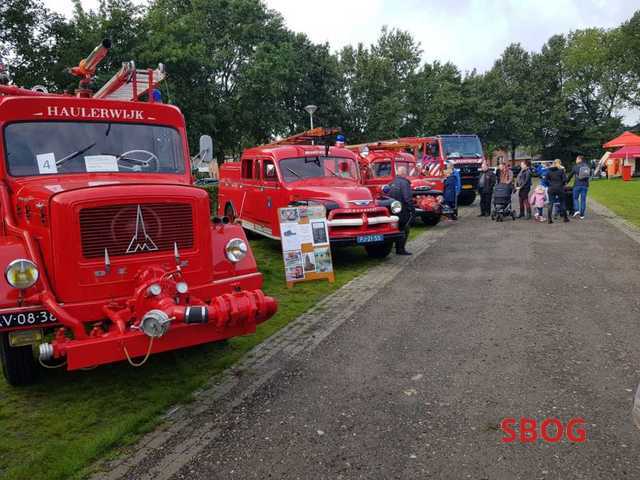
380 250
229 212
431 220
466 197
18 363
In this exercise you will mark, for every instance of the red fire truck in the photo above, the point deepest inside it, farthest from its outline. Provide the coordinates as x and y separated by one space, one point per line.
464 151
108 251
379 164
293 172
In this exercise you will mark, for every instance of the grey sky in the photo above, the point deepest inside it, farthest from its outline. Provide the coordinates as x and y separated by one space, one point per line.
469 33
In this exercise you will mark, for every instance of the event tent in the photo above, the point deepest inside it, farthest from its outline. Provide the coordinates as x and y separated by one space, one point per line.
625 140
627 152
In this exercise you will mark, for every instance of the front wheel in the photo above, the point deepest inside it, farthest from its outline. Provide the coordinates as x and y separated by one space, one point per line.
431 220
466 197
18 363
380 250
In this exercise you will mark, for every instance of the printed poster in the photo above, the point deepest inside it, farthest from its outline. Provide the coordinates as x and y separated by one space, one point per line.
306 251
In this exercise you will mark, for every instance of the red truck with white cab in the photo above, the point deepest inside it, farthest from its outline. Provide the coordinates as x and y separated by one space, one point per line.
379 164
108 252
293 172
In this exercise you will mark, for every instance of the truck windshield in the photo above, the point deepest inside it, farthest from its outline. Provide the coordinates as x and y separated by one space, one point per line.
409 168
45 148
462 147
300 168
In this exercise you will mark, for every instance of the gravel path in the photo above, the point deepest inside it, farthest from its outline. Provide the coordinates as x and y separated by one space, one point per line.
493 320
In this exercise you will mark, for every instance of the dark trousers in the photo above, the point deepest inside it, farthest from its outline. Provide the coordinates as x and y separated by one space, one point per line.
523 196
404 225
485 202
556 198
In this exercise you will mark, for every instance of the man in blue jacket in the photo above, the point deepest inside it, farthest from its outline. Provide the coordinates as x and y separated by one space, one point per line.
581 171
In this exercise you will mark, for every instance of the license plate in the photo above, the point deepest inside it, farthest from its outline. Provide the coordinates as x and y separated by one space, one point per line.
369 238
26 319
467 187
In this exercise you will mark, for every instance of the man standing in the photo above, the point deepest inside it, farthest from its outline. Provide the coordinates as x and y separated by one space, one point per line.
486 183
523 186
400 190
582 172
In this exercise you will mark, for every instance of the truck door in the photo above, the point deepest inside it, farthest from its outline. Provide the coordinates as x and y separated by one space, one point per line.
247 210
272 195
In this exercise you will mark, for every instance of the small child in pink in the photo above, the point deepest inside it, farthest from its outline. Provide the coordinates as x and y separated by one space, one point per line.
538 199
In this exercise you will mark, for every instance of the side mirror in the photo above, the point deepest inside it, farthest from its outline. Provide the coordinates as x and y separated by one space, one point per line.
206 149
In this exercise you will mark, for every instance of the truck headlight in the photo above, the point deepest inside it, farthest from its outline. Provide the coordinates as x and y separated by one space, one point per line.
21 273
396 207
236 250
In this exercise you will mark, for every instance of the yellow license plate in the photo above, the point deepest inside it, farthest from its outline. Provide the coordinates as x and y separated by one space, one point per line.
467 187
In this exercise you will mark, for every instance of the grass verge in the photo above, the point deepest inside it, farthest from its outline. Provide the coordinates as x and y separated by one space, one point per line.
623 198
57 428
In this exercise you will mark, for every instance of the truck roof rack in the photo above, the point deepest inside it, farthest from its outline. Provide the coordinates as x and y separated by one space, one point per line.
384 145
130 84
305 138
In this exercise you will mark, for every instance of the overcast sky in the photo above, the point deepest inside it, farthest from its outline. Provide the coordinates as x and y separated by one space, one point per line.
469 33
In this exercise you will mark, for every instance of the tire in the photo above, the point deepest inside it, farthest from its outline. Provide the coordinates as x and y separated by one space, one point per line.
430 220
467 197
380 250
230 213
19 366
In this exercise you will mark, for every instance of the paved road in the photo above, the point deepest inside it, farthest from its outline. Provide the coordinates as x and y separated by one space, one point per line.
495 320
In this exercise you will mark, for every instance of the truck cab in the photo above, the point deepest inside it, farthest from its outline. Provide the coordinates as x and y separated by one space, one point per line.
380 163
109 252
296 172
464 151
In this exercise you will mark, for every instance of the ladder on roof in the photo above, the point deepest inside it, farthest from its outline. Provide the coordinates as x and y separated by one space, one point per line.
385 145
306 138
130 84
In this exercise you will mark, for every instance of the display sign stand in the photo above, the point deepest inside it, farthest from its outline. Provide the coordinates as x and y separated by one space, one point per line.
305 244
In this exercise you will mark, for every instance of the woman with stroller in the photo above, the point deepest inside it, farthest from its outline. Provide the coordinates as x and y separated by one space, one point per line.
556 179
523 187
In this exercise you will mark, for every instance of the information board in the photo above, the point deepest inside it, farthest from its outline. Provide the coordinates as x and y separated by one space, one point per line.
305 244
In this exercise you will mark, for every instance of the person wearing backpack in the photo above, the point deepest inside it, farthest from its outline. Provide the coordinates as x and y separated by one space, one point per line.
582 172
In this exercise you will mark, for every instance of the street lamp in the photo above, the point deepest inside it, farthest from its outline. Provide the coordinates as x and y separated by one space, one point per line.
311 109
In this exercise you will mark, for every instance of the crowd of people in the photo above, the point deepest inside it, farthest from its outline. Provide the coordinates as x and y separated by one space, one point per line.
552 192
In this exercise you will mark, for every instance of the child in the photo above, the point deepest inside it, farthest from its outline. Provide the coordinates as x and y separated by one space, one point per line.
537 199
450 194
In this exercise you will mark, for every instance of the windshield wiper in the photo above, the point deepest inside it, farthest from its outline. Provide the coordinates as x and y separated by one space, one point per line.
75 154
295 173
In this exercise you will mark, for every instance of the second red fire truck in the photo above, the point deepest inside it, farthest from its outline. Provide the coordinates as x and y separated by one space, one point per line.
293 172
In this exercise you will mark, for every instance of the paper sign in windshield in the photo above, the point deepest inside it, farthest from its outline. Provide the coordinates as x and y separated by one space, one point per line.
47 163
101 163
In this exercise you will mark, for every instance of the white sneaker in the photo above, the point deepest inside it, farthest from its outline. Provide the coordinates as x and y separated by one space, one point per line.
581 217
576 214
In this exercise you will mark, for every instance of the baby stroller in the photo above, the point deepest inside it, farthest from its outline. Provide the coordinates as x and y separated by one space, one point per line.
502 202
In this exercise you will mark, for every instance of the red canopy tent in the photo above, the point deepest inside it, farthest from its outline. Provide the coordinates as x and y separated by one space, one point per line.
625 140
626 152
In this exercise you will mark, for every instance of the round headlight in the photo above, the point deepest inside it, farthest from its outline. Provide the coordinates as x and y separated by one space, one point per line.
396 207
21 273
236 250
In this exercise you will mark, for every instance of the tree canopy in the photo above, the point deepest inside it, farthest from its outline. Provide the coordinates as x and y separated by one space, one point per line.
239 74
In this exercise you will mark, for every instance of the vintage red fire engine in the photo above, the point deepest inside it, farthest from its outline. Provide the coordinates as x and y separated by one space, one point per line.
293 171
104 241
379 164
463 150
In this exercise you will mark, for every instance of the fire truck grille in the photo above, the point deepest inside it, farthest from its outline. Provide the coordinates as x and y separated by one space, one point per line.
136 228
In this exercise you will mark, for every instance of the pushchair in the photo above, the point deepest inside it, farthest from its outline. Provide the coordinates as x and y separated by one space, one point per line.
502 202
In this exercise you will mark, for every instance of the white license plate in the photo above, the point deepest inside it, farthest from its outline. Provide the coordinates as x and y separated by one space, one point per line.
26 319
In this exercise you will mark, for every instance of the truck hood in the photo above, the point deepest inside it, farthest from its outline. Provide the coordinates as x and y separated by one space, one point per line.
346 193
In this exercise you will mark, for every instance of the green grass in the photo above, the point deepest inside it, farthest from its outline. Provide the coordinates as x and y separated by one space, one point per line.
623 198
59 427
